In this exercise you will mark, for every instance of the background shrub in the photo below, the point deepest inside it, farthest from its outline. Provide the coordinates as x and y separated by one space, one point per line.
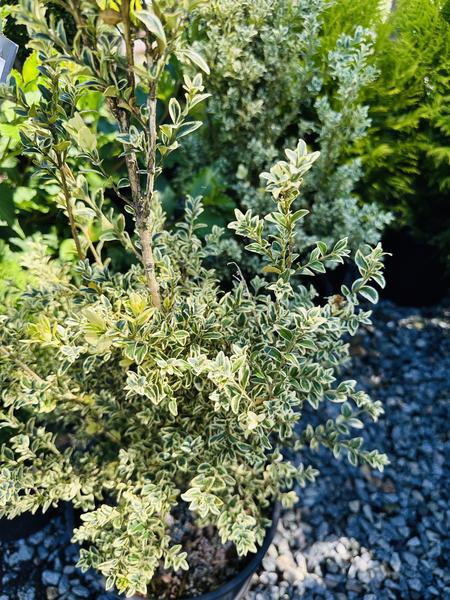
277 77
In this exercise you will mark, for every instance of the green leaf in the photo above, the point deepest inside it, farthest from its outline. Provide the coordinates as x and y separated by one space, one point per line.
62 146
340 246
322 247
285 333
87 139
188 128
174 110
30 68
120 223
153 24
307 344
173 408
299 214
369 293
271 269
68 250
379 279
108 235
139 353
361 261
235 401
355 423
197 59
10 131
352 458
181 336
7 209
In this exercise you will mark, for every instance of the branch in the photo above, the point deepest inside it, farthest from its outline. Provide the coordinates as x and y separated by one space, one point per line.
151 160
22 365
74 10
131 161
68 201
125 8
143 221
142 203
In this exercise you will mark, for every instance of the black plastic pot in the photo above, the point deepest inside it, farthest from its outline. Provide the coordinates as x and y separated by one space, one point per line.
415 273
25 525
236 588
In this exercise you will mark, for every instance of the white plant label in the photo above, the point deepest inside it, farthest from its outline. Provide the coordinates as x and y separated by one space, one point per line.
8 53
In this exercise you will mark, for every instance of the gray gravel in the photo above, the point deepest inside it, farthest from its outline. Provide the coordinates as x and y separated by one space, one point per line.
360 534
355 534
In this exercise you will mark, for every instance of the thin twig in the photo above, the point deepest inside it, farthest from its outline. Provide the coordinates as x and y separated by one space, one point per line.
68 202
92 248
75 11
125 6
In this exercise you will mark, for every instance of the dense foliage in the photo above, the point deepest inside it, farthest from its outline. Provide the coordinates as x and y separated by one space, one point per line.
112 399
25 207
364 82
132 393
275 80
262 109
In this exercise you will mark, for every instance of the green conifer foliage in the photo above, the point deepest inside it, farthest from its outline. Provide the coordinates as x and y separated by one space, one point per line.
406 155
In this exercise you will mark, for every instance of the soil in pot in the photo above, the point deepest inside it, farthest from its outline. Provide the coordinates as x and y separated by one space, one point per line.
211 563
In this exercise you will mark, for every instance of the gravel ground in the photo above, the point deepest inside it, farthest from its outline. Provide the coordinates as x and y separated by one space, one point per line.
355 534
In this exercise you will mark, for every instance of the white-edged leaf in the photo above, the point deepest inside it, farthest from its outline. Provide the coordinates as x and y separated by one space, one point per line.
174 109
369 293
153 24
299 214
188 128
197 59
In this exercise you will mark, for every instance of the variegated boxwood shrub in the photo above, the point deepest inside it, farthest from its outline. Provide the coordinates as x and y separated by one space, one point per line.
132 393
